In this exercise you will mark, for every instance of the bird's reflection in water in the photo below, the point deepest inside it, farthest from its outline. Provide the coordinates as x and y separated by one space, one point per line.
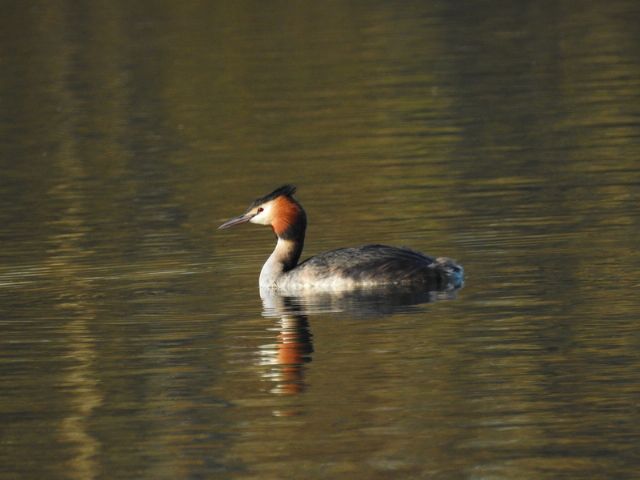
288 356
293 349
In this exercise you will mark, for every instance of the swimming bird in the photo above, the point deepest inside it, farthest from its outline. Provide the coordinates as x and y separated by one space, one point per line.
342 269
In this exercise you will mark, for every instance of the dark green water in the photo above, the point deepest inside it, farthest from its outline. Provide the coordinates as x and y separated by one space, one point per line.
133 341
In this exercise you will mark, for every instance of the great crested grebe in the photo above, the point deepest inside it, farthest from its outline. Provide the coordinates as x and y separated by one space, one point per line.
341 269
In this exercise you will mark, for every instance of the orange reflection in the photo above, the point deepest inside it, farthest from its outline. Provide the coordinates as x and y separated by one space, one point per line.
292 350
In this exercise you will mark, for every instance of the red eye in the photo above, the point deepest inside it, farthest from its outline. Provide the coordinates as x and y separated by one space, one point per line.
260 210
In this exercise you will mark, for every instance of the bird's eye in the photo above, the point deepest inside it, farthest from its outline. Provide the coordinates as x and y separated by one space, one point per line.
260 210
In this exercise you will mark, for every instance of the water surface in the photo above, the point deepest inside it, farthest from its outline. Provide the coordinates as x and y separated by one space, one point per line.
134 341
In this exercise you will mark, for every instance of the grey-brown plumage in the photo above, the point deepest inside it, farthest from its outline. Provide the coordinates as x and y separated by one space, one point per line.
382 264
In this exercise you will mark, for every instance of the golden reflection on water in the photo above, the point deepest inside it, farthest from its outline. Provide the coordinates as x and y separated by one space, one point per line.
64 264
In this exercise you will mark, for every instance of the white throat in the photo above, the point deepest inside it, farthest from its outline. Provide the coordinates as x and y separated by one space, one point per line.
276 264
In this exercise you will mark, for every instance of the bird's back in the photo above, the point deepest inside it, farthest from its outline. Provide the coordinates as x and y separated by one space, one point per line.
372 265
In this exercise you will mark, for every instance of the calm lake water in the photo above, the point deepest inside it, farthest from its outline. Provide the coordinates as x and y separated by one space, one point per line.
134 343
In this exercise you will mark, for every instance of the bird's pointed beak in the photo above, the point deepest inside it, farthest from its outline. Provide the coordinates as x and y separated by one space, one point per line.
244 218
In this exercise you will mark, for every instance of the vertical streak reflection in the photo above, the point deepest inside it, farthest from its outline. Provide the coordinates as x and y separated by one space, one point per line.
66 259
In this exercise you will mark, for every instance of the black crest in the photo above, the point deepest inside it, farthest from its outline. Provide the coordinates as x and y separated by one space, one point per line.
287 190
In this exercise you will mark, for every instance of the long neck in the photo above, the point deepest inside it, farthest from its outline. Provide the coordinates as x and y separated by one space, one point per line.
287 252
